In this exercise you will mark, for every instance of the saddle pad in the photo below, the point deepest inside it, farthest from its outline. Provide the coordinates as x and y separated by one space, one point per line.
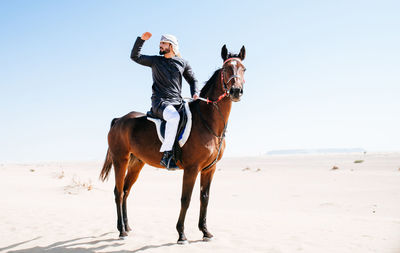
184 135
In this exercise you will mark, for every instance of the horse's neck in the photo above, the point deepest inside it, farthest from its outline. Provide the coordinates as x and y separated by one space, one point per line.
217 115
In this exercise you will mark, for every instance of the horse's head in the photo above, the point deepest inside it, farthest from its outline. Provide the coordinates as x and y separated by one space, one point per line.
233 73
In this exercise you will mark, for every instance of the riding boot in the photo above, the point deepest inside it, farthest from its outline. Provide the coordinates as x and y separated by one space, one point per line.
168 161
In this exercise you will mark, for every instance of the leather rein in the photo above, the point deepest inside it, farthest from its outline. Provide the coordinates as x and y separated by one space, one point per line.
215 103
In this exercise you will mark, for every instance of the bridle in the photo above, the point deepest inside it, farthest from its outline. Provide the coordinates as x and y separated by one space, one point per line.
215 103
223 71
225 87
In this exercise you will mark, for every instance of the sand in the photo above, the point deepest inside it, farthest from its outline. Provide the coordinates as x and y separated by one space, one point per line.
271 203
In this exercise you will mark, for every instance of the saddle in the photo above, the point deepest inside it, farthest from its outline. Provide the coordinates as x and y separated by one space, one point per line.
184 127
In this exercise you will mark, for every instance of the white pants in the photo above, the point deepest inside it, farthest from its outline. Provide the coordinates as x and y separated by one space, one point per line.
172 117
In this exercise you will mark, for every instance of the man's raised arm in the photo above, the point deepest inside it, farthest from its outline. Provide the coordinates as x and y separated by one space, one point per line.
135 54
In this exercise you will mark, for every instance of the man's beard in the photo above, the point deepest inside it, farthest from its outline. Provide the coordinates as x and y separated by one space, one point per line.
162 52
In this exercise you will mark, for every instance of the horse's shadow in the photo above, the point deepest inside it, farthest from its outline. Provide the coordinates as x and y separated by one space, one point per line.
156 246
70 246
66 246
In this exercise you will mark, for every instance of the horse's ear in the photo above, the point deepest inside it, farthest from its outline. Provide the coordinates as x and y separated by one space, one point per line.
242 53
224 53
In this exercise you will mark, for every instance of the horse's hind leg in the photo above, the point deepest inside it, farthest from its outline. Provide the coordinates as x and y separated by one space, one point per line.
134 168
205 182
120 166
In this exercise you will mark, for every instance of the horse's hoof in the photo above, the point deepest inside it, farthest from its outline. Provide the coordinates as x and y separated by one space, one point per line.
183 242
123 236
207 239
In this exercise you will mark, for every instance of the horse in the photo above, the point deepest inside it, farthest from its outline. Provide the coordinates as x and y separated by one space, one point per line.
133 142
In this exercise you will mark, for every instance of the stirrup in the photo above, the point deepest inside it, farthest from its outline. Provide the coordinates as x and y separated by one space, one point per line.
168 161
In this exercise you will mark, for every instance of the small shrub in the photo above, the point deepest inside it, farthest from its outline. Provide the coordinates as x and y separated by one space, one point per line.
62 175
77 185
247 168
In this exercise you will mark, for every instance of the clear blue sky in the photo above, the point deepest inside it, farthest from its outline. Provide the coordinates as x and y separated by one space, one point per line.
320 74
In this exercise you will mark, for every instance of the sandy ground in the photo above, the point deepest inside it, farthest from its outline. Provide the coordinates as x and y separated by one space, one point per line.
257 204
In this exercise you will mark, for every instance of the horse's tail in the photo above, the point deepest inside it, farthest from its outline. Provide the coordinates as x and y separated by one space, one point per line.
106 167
108 162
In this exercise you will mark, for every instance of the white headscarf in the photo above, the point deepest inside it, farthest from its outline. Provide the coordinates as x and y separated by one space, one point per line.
173 41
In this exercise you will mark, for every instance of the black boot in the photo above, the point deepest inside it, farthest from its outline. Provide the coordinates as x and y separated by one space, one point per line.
168 161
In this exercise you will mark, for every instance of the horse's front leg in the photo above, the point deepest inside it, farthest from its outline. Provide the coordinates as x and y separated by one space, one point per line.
205 182
189 178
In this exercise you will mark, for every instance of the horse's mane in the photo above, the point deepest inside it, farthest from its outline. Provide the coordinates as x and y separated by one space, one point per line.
209 84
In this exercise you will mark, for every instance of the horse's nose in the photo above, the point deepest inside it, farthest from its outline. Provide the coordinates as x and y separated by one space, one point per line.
236 93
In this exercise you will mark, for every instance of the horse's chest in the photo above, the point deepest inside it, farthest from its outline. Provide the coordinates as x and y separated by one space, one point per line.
212 146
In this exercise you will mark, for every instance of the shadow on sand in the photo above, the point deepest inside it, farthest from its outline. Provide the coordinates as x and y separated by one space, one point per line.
67 246
156 246
70 246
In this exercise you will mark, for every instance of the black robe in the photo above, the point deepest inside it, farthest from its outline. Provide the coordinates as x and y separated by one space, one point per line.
167 78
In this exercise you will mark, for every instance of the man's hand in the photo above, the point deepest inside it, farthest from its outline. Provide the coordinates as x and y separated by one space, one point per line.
146 36
195 97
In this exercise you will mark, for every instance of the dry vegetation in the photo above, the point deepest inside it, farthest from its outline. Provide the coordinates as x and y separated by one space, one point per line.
77 186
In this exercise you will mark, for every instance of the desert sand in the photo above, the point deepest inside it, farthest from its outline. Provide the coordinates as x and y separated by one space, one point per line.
272 203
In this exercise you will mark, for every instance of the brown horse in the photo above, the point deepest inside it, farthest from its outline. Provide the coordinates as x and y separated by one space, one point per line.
133 142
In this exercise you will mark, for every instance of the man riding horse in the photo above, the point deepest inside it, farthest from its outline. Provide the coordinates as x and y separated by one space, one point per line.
133 141
167 72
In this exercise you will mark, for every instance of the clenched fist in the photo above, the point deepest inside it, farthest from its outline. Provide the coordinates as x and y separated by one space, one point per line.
146 36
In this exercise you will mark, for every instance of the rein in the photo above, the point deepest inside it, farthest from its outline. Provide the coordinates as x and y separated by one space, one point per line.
220 138
215 103
226 92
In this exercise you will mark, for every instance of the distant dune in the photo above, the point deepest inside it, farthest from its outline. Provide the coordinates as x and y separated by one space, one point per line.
316 151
